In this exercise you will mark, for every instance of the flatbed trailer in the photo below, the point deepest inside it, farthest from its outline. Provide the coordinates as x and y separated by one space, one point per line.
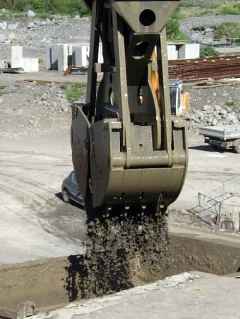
222 137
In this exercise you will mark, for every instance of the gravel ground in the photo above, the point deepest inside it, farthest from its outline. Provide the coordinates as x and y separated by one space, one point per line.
208 23
36 156
214 105
28 108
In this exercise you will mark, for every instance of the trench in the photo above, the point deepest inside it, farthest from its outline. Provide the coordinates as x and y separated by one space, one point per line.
122 251
131 249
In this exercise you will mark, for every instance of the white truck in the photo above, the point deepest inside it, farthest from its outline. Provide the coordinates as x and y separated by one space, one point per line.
222 137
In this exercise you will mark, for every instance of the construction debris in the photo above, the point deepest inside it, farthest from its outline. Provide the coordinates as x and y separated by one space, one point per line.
221 208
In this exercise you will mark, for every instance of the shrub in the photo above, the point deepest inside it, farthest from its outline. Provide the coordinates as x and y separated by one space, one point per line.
73 92
228 30
231 8
173 28
208 52
47 6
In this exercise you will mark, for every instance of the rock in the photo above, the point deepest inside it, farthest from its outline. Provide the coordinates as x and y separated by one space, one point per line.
31 25
64 108
12 36
12 26
179 279
217 108
31 14
232 119
3 38
214 122
3 25
223 113
205 108
3 64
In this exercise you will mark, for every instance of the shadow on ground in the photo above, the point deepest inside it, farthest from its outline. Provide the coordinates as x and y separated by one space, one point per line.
207 148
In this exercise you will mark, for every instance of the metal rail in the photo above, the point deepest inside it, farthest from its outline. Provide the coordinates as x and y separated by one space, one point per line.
203 69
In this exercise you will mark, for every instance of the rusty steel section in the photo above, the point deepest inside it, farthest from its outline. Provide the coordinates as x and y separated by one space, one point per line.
203 69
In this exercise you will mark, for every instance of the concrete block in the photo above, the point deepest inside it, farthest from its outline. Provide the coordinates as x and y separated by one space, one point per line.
70 54
19 61
172 52
52 58
192 51
189 51
63 56
81 54
85 55
77 56
31 64
17 57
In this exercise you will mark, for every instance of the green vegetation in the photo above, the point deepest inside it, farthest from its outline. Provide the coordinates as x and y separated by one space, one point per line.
2 88
228 31
191 8
230 8
46 7
233 104
173 28
208 52
73 92
188 8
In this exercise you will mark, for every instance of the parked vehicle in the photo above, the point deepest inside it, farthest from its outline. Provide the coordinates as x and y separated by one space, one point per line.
70 190
224 137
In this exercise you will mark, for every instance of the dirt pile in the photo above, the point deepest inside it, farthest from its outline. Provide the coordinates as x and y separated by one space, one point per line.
214 106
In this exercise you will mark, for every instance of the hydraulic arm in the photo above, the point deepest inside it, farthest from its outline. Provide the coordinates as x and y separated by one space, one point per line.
127 147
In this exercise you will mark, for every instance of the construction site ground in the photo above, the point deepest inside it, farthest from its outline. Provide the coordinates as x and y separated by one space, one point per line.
35 159
37 226
187 295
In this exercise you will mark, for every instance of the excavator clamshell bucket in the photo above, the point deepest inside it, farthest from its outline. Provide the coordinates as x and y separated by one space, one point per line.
128 148
145 16
79 140
111 180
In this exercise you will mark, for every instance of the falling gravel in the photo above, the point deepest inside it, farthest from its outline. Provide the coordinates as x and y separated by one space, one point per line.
121 251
